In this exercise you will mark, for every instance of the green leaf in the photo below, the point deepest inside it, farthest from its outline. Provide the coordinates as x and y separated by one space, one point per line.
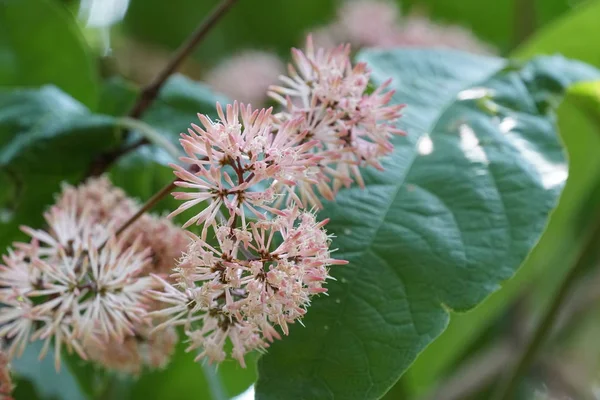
40 43
462 201
41 377
47 137
574 35
586 95
548 262
117 96
579 125
178 104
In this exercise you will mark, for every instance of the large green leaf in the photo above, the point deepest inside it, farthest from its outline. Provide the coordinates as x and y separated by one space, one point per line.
41 377
40 43
579 125
462 201
548 261
46 137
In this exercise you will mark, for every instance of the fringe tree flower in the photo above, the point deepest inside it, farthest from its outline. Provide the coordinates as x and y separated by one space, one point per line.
69 229
220 295
112 207
75 285
117 299
352 127
165 243
238 152
130 356
110 203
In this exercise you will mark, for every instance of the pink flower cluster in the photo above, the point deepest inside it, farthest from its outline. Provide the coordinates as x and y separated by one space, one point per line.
253 172
235 154
75 284
112 287
221 294
351 127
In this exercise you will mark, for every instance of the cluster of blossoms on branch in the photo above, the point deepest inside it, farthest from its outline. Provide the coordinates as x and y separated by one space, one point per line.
76 284
112 285
256 173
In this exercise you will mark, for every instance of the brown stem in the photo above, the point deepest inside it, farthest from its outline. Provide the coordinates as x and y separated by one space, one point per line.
152 202
150 92
245 252
147 206
541 331
525 20
477 372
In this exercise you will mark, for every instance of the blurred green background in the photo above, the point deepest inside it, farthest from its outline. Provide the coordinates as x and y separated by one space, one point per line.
101 51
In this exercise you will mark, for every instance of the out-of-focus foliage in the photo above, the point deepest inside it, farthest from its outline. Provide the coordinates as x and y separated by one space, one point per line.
267 24
40 43
498 22
38 127
574 35
59 111
251 24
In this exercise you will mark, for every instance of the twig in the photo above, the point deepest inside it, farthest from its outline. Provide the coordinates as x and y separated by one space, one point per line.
150 91
525 19
147 206
477 371
480 371
245 251
545 326
567 385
